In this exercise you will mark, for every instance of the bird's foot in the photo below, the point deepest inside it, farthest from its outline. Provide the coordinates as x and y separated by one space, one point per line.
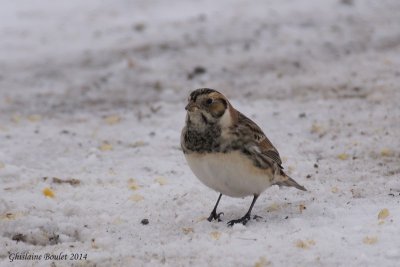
215 216
256 217
242 220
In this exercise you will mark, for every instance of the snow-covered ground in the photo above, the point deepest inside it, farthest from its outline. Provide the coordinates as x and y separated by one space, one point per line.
92 97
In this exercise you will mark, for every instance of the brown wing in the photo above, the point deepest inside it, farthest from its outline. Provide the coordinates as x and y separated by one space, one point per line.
262 152
256 135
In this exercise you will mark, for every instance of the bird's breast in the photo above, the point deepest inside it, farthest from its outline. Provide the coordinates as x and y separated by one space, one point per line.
231 173
201 141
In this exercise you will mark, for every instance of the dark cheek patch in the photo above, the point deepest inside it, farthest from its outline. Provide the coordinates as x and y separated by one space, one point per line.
218 109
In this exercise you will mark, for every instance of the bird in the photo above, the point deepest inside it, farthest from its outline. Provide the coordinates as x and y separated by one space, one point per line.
228 152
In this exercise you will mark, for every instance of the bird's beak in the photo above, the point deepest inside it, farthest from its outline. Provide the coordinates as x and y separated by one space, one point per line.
191 106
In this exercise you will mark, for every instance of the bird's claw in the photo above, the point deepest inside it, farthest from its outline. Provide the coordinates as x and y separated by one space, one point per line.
215 216
256 217
242 220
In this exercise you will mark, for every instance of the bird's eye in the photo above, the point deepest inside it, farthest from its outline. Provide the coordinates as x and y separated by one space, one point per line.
209 101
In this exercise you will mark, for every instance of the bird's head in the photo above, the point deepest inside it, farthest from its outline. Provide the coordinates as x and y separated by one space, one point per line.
208 107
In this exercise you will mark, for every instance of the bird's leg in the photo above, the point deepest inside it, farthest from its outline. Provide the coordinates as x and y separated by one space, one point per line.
214 215
246 217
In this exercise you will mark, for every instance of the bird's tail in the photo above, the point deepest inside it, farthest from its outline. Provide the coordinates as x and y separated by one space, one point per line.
288 181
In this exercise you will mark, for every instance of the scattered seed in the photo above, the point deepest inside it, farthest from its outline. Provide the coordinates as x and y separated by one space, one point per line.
383 214
70 181
48 192
19 237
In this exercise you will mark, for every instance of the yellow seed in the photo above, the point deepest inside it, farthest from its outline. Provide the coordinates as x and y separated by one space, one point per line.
273 207
2 165
112 119
34 118
137 197
132 184
215 235
370 240
386 152
8 216
187 230
106 146
48 192
383 214
262 262
305 244
301 244
317 129
161 180
343 156
334 189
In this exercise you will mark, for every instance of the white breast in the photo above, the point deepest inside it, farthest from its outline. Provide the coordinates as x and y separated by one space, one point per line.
231 174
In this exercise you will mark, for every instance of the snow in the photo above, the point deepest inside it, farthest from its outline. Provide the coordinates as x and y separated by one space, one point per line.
95 91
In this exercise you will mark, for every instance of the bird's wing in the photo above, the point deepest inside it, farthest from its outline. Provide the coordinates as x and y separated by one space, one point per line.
255 137
262 152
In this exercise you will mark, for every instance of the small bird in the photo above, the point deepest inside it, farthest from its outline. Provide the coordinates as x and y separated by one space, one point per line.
228 152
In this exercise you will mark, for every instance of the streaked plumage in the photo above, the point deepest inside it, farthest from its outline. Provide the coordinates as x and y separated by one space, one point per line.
227 151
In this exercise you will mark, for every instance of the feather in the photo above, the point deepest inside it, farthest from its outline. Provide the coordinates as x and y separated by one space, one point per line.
254 136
